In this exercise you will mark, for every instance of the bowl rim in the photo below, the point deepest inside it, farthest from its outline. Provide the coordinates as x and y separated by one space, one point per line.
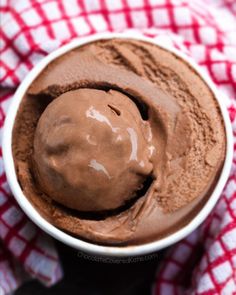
77 243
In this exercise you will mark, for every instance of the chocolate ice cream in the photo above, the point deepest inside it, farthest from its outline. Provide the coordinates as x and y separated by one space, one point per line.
92 150
118 142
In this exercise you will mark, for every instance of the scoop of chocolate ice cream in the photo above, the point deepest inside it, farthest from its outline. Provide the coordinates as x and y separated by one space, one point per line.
92 150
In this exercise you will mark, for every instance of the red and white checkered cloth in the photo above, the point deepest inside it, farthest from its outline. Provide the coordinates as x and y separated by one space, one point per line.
203 263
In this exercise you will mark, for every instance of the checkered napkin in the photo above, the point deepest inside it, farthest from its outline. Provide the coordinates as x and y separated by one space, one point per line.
204 262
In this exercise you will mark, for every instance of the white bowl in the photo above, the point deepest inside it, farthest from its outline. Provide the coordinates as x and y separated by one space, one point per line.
77 243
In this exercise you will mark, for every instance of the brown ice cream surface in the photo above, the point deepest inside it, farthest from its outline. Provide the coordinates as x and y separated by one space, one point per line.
118 142
91 150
